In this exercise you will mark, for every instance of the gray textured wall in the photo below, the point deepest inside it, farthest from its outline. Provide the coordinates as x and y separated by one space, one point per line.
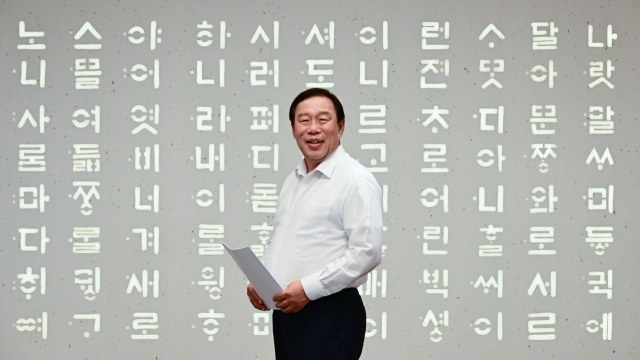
407 304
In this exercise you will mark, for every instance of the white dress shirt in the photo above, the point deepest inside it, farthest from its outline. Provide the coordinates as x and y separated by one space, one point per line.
328 227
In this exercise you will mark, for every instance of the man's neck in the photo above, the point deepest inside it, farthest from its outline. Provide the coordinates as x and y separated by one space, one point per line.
311 165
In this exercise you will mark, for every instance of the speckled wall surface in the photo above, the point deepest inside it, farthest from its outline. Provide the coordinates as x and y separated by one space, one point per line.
136 135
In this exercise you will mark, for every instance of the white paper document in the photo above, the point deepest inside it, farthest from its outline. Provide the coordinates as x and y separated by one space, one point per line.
266 286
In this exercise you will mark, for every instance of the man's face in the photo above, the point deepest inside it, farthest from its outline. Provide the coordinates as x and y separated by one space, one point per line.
316 129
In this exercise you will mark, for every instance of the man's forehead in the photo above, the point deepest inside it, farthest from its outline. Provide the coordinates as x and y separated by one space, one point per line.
329 109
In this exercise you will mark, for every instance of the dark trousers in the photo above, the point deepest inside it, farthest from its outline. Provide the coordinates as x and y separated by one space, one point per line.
331 327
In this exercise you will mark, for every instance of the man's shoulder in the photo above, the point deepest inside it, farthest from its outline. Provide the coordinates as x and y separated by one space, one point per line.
292 175
351 168
355 177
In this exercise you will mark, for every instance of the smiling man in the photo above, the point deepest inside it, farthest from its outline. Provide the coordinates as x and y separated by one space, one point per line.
327 237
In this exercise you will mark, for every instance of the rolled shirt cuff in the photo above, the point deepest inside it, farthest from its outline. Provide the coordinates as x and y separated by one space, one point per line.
313 287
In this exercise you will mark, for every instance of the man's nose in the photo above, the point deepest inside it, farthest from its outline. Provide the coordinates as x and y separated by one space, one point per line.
314 127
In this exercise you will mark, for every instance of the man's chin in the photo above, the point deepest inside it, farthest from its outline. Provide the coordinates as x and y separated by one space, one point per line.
315 157
315 154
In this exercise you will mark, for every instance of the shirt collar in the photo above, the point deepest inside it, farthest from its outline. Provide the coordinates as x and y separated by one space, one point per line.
326 167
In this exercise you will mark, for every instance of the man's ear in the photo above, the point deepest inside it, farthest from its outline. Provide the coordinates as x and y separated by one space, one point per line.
341 127
293 128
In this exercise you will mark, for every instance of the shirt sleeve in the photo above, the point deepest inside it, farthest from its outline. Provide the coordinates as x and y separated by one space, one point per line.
362 221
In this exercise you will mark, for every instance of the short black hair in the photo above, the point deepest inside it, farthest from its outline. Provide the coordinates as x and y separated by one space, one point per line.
309 93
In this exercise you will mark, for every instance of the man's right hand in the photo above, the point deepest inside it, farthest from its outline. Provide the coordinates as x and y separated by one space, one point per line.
255 299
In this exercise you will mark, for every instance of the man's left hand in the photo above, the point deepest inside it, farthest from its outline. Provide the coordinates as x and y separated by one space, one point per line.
292 299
